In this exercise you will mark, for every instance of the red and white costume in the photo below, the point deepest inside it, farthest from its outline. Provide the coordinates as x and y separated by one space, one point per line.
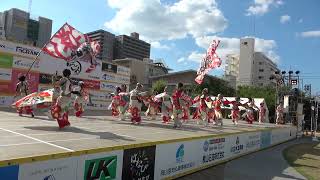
166 106
250 112
81 99
217 110
177 108
262 113
152 107
235 112
279 119
60 111
135 105
202 111
22 91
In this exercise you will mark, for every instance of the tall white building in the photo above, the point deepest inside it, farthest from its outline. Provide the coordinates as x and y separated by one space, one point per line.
249 68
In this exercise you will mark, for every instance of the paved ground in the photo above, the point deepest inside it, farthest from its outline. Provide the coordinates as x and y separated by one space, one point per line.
263 165
25 136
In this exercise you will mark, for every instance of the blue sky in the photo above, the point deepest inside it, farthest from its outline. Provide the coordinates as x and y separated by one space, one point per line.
286 31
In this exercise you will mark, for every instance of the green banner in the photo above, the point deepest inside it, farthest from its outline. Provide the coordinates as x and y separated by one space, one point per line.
101 169
6 60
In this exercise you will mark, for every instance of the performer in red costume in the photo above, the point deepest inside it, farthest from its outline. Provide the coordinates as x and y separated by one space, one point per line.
177 108
166 105
217 109
235 112
136 97
152 107
250 106
186 108
81 98
22 91
262 113
60 111
203 109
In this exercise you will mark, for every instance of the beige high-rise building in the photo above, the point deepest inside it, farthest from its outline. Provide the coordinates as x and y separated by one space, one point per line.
249 67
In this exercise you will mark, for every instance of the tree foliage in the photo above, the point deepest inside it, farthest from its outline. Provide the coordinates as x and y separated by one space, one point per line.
159 86
215 87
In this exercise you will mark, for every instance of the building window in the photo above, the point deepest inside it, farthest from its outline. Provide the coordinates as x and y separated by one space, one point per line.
260 84
260 77
261 70
260 63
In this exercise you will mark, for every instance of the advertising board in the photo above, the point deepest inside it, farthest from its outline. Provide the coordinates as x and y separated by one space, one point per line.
102 166
138 163
176 158
51 169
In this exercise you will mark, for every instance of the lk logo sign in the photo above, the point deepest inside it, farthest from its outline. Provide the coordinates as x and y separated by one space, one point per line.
101 169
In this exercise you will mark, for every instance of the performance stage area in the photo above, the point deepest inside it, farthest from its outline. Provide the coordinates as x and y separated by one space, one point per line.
103 147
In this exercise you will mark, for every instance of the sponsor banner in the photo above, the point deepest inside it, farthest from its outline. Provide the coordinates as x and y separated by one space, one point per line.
138 163
236 145
100 96
32 79
5 74
176 158
108 67
107 86
47 170
79 68
253 141
108 77
265 139
9 172
100 166
19 49
91 84
123 79
213 150
123 70
94 105
6 100
6 60
280 135
5 88
25 63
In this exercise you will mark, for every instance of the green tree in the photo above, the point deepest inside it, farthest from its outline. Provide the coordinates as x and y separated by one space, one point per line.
159 86
215 87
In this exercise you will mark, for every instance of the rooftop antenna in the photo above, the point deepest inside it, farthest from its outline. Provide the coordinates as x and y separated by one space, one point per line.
29 6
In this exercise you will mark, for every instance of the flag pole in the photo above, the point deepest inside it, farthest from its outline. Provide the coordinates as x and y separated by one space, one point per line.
36 58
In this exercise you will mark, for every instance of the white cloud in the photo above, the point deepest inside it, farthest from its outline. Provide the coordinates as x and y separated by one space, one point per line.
182 59
157 21
285 18
300 20
311 33
232 46
158 45
195 56
260 7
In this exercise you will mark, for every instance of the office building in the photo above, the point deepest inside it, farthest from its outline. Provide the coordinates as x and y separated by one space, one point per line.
106 41
131 47
20 27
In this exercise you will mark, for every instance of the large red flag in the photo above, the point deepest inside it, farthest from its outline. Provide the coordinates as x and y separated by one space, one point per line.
65 43
210 61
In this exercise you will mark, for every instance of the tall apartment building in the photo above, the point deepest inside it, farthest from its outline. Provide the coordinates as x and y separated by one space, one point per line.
2 23
19 27
131 47
106 41
231 71
250 67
